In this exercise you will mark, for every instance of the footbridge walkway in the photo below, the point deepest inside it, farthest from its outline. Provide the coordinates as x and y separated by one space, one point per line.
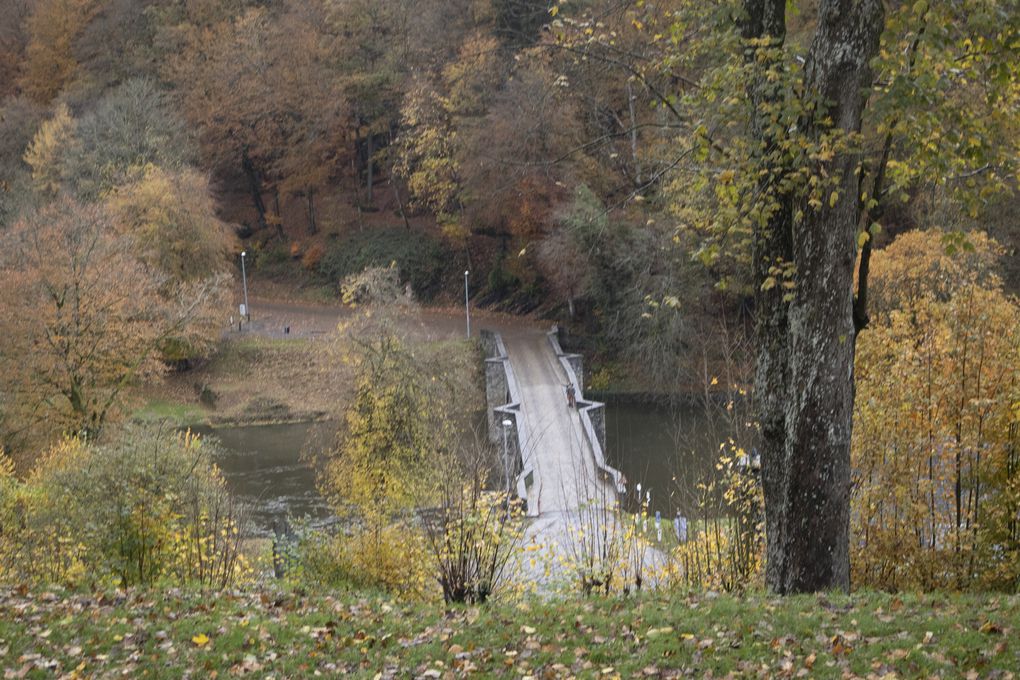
554 457
555 454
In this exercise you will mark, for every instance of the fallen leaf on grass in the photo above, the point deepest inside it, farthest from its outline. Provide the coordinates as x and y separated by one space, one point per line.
989 628
840 646
653 632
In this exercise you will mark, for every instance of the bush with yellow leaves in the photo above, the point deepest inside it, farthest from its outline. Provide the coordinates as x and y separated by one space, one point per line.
724 548
936 454
148 507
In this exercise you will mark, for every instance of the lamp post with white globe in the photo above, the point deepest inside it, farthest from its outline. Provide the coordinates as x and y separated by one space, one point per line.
244 281
467 305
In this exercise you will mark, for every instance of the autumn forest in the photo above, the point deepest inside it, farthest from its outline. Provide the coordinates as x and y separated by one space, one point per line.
798 219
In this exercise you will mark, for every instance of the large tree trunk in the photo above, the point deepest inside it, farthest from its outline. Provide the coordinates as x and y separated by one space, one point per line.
804 379
255 187
310 206
370 167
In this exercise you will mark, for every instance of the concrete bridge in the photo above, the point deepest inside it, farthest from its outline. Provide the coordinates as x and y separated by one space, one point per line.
555 455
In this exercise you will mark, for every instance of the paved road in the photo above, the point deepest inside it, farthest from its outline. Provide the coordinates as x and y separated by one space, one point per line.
271 317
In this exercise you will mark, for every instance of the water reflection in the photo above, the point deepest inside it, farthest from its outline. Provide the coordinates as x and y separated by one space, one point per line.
668 449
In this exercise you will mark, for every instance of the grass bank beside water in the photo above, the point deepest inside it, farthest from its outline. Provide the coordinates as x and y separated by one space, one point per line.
251 380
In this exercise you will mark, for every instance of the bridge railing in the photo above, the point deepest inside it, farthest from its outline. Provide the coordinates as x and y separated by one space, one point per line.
503 398
593 414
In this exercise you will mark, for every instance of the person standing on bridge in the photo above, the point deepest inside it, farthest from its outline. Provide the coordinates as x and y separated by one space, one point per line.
571 396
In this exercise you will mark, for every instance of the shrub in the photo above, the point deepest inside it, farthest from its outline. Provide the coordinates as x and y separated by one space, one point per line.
319 559
501 281
31 547
472 534
272 258
937 480
147 507
423 261
725 546
313 256
375 285
389 557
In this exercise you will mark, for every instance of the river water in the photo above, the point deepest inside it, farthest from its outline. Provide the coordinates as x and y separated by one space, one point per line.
668 450
266 466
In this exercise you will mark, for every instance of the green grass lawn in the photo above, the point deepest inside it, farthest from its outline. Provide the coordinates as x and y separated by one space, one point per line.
291 634
177 413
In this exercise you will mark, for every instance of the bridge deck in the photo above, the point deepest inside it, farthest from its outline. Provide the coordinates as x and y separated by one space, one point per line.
565 470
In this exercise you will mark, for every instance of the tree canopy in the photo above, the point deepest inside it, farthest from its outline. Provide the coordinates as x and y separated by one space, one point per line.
657 176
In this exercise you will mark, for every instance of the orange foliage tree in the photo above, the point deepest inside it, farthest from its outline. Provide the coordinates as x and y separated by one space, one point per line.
49 61
262 91
83 318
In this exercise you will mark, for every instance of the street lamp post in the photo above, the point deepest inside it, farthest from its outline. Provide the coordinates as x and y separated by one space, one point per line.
244 280
467 306
506 455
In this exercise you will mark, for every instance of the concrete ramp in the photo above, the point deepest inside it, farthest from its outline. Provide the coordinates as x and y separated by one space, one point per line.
553 454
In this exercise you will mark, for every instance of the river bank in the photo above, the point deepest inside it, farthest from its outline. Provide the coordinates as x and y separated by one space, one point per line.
251 380
286 365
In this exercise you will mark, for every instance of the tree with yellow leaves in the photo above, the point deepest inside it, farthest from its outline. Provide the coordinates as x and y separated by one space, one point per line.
172 217
397 444
55 139
936 455
401 421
